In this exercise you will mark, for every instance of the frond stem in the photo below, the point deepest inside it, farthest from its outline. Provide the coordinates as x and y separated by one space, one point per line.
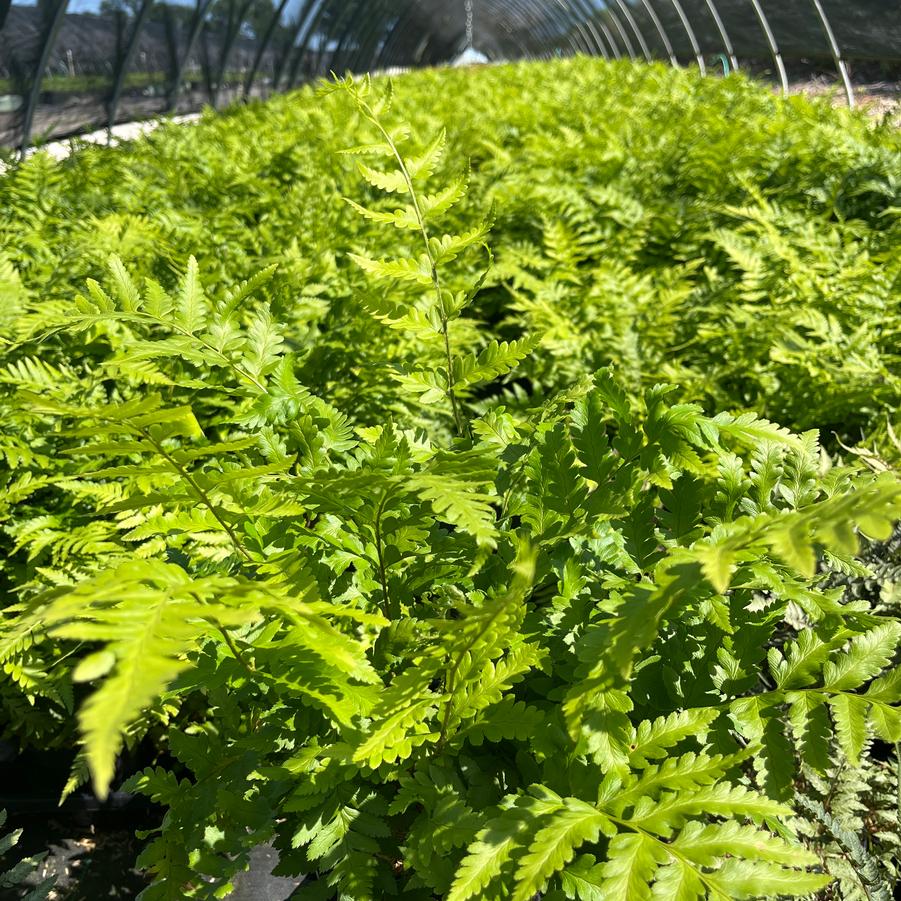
201 493
229 640
685 861
172 326
451 677
436 278
390 610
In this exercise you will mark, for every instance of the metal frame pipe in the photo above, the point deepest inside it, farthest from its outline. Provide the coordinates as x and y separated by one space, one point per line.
370 36
200 10
340 11
372 25
630 48
354 20
305 21
341 35
393 54
552 23
232 30
724 35
582 13
534 27
591 20
519 13
599 40
390 54
367 34
627 13
661 31
692 39
547 22
771 40
262 47
572 31
836 53
51 33
122 65
609 35
299 52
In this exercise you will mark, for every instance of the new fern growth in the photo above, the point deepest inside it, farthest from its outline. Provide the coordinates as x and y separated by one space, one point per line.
410 179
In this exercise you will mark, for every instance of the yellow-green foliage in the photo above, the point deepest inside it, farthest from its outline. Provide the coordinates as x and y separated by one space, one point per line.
406 464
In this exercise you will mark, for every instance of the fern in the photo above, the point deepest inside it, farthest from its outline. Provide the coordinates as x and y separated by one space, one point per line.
456 572
410 178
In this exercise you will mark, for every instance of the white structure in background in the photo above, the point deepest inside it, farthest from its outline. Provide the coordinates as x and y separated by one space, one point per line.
470 56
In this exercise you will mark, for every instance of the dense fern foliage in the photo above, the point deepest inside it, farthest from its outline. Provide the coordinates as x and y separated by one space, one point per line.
408 475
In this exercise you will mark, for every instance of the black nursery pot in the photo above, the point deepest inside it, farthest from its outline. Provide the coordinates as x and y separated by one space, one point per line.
90 845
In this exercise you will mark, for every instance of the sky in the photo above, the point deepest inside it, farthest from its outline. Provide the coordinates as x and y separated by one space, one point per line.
91 6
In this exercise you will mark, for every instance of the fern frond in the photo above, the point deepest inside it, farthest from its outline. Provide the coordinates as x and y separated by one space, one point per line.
556 843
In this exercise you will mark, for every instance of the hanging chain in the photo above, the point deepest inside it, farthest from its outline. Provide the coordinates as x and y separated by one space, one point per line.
469 23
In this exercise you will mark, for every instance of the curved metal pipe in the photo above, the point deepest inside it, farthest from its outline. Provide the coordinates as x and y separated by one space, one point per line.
352 32
400 52
268 34
337 55
630 49
836 54
300 51
231 34
371 28
378 31
727 41
696 48
609 43
585 13
614 46
390 48
572 33
517 12
537 22
51 33
635 29
369 35
774 47
598 39
664 37
554 23
524 37
389 53
530 19
580 17
200 10
281 63
124 62
326 37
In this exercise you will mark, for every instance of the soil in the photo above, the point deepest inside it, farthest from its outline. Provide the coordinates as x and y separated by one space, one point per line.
878 99
95 858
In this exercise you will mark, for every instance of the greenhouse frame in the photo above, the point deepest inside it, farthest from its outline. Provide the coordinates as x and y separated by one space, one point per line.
66 66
